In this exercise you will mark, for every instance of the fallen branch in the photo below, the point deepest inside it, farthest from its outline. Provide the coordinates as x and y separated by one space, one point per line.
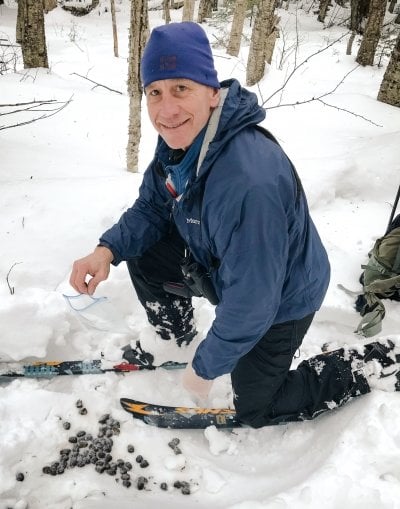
48 112
34 106
97 84
11 288
47 101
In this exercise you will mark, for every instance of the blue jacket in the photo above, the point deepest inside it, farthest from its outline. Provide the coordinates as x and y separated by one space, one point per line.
240 209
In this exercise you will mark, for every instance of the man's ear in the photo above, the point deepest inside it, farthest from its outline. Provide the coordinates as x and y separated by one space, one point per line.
215 97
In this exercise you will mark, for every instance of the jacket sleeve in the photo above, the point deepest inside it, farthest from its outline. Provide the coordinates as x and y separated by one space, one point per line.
253 252
143 224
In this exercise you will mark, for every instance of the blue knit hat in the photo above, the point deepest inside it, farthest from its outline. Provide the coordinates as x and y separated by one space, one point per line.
179 50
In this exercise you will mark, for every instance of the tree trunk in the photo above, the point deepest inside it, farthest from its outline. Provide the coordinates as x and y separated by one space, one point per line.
205 10
20 22
188 10
235 37
49 5
389 91
264 27
323 9
350 43
30 31
166 12
355 17
137 39
271 39
358 11
392 5
372 32
114 27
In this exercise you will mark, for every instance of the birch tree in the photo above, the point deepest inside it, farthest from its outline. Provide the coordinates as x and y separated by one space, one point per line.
188 10
372 33
137 39
389 91
235 37
31 33
114 27
263 37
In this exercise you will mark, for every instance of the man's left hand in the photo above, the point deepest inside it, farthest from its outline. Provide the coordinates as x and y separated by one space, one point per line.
197 386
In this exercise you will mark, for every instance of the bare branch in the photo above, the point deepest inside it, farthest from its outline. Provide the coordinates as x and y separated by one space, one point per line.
11 288
325 94
37 106
47 101
348 111
301 64
97 84
320 99
340 83
41 117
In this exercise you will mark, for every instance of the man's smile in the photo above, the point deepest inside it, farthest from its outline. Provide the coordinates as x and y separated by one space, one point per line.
172 126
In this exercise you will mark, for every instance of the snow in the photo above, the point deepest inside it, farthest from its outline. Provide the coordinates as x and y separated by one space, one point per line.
63 182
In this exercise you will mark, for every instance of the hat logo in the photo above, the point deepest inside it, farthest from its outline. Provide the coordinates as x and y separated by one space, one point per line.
168 63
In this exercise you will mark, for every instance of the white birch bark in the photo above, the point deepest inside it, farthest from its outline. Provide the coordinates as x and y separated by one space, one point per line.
137 40
235 37
114 27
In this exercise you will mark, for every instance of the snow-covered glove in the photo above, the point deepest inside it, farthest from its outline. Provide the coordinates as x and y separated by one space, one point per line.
197 386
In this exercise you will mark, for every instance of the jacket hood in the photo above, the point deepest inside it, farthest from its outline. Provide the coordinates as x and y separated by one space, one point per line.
238 109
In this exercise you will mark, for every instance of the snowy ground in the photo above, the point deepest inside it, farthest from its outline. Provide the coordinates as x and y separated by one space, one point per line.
63 181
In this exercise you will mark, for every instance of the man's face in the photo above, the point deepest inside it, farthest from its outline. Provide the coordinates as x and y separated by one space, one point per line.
179 109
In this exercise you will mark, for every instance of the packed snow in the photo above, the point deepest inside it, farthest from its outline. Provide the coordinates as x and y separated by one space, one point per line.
64 181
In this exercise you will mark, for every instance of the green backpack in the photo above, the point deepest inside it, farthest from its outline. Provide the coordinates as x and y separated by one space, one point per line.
381 280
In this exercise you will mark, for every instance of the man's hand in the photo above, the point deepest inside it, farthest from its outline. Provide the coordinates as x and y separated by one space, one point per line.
96 265
197 386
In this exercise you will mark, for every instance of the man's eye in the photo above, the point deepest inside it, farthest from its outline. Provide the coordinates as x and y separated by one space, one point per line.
153 93
181 88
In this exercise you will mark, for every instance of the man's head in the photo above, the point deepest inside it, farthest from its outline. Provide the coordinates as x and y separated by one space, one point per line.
180 81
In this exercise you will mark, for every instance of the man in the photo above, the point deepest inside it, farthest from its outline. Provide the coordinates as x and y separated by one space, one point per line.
222 190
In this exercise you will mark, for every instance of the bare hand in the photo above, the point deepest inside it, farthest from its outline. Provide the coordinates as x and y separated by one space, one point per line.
97 265
197 386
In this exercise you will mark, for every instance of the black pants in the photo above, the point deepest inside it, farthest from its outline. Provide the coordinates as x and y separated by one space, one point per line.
266 391
171 315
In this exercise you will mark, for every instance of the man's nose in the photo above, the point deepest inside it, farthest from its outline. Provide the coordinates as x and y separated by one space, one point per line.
169 105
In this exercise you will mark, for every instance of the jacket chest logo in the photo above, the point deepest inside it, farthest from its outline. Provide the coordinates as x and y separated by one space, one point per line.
191 220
